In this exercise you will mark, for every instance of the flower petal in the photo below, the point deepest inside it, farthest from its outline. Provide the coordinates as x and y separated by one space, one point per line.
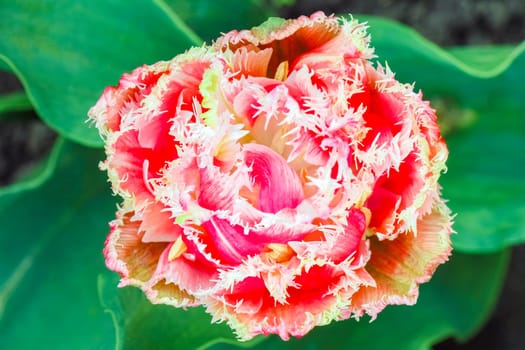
232 244
184 272
316 296
393 193
158 225
279 185
399 266
134 165
126 253
251 61
334 243
117 102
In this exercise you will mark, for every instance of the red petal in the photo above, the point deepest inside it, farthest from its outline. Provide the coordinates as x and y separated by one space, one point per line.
394 192
250 305
383 115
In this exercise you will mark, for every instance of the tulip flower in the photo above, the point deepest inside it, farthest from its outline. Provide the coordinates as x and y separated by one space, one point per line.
277 177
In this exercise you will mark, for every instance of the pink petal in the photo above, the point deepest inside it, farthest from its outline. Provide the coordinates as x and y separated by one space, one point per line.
106 112
231 244
384 205
288 39
279 185
245 95
346 245
158 225
213 194
228 242
341 246
185 272
384 114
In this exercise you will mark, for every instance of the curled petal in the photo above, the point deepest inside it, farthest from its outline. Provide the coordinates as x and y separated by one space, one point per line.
158 225
184 272
278 185
229 241
399 266
126 253
232 243
335 246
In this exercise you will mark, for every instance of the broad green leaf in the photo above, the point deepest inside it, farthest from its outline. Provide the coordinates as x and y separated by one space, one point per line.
396 42
211 18
4 66
456 302
14 102
66 52
142 325
480 92
279 3
487 61
53 229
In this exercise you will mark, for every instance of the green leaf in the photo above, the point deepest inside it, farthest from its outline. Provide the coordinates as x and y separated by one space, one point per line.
280 3
397 43
4 66
14 102
479 92
209 18
53 227
66 52
485 181
142 325
456 303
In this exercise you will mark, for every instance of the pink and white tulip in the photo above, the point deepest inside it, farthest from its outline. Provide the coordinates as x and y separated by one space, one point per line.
276 177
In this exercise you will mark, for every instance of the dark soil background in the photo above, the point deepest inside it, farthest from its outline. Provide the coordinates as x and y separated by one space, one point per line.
446 22
23 140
